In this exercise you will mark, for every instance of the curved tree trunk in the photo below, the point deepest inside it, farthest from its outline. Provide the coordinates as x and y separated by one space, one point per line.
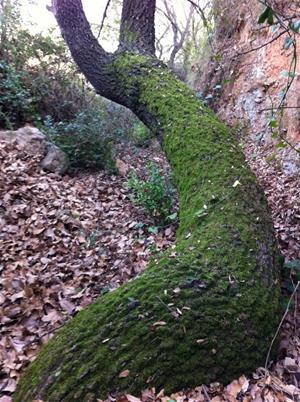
206 310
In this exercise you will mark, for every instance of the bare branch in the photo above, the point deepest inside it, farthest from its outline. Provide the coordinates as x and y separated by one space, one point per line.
103 18
263 45
201 12
179 34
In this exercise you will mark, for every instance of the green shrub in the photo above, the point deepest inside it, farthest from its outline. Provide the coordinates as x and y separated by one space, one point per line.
140 135
38 79
155 194
290 274
85 140
16 101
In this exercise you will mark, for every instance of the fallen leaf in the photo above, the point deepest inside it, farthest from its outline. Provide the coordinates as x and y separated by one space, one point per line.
159 323
132 398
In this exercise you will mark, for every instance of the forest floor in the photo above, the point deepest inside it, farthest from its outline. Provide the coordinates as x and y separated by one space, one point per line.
67 240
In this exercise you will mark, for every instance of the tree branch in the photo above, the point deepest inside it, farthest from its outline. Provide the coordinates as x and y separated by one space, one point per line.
200 11
103 18
179 35
86 51
263 45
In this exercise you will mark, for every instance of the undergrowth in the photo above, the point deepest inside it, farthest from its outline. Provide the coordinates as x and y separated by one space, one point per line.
155 194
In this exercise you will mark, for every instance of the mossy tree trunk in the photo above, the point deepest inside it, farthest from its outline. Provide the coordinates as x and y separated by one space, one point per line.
208 309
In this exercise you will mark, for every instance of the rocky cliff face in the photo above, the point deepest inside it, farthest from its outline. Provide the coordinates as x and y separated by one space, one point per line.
245 86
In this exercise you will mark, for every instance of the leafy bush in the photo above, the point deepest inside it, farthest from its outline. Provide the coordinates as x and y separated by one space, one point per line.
140 135
16 102
84 139
156 194
40 84
37 74
291 274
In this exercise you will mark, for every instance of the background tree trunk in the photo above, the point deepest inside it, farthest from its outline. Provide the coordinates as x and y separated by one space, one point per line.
137 26
206 310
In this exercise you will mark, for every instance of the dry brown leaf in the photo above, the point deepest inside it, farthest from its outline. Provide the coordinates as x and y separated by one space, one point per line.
159 324
132 398
51 246
10 386
124 374
234 388
6 398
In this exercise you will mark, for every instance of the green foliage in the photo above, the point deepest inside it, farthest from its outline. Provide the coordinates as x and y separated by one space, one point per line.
140 135
288 43
84 139
295 26
16 102
155 194
38 78
291 274
267 15
36 74
40 84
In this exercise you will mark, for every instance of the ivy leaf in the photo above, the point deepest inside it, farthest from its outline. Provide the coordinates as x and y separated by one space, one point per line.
272 122
172 217
294 264
281 144
286 73
295 26
267 15
288 42
153 229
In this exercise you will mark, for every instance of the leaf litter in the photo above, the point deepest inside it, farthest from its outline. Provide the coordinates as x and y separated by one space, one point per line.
64 241
67 240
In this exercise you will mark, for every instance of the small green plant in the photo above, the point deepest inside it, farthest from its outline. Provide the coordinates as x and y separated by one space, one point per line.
291 274
140 135
155 194
84 140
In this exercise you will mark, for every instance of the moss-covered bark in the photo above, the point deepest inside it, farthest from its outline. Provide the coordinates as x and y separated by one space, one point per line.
206 310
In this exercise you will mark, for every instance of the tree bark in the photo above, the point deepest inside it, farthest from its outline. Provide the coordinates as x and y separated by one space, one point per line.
137 31
206 310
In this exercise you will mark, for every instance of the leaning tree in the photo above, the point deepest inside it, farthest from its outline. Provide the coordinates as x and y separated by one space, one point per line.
207 309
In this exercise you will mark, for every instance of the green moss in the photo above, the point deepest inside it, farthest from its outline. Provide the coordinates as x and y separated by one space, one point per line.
217 297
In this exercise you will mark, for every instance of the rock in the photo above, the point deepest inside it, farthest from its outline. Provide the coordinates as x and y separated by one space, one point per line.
34 142
290 161
55 161
122 167
29 138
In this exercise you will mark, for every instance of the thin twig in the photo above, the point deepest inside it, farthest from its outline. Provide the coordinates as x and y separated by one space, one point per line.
206 393
281 322
200 11
264 44
163 303
276 108
103 18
